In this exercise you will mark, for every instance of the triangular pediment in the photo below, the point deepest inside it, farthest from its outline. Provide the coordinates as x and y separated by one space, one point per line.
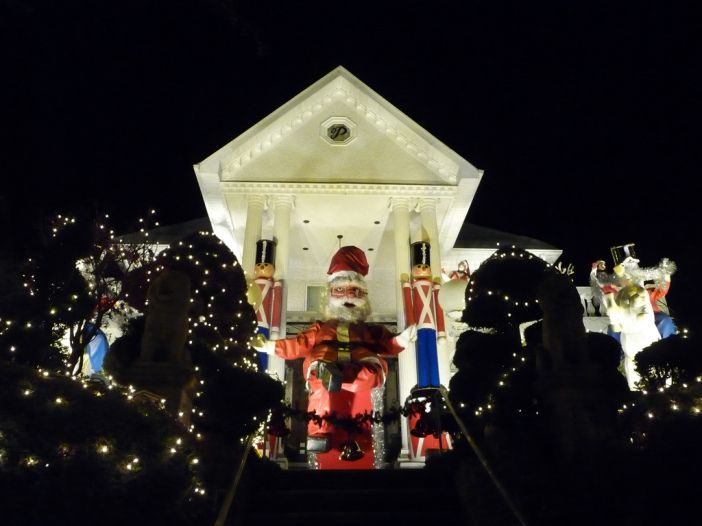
378 144
342 153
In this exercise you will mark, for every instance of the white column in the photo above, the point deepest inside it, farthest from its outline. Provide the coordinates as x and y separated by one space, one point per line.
407 359
254 222
427 211
400 213
282 205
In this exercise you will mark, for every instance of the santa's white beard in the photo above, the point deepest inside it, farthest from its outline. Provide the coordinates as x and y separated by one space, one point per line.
346 309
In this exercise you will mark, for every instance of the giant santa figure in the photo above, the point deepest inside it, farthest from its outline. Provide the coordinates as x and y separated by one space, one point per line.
343 361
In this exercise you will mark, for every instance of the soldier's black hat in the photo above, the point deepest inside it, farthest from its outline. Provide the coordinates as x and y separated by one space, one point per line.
265 251
621 252
421 253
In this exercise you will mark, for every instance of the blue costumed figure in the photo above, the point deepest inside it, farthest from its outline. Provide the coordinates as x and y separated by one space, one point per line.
96 349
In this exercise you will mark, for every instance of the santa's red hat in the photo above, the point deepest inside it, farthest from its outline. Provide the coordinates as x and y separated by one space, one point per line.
348 262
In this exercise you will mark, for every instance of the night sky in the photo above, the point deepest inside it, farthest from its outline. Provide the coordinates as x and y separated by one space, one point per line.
583 115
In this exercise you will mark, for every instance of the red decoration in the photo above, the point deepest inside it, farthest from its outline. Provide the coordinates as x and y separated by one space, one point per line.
347 259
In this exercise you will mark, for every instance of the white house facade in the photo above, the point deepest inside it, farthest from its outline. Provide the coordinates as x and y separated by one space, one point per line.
339 165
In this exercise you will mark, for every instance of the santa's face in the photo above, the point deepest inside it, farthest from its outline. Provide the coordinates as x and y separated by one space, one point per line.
347 300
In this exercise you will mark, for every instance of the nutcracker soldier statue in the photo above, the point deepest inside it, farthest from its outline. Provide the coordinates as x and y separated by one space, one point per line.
421 303
422 308
268 312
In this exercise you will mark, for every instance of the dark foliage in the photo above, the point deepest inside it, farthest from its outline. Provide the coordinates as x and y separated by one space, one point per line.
52 465
482 360
502 292
495 383
125 350
671 359
648 443
482 352
604 350
234 401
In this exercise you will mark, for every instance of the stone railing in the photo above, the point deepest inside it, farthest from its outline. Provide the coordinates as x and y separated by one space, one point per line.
592 322
585 294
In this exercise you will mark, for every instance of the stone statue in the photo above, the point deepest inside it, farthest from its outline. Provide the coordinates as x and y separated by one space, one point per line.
166 330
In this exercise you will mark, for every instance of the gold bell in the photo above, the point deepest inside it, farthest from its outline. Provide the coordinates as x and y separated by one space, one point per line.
350 451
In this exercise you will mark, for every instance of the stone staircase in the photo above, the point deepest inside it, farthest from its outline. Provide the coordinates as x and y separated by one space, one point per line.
341 498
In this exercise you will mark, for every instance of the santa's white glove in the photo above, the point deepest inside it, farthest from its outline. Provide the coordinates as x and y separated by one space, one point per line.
407 336
442 344
262 345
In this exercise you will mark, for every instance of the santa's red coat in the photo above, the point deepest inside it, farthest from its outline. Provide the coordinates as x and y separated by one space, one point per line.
364 369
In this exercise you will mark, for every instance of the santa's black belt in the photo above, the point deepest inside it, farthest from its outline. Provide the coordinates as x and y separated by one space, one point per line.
344 348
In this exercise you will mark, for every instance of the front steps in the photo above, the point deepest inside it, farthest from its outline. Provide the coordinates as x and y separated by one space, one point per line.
340 498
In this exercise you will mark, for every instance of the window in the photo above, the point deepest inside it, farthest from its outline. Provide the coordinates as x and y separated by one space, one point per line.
314 298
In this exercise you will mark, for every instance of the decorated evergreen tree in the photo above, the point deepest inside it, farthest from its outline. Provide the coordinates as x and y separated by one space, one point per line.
534 406
669 405
502 293
114 443
82 452
495 372
232 399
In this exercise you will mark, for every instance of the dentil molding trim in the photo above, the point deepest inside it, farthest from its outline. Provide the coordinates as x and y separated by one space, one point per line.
248 188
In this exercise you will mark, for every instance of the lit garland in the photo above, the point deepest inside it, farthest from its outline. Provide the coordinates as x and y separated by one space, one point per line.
274 425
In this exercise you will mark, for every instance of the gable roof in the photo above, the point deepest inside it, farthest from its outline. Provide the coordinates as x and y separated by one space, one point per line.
291 151
474 236
338 93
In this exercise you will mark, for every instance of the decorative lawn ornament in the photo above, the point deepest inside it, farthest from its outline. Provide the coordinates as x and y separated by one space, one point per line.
422 308
268 311
95 351
635 299
343 364
656 281
633 316
351 451
602 284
